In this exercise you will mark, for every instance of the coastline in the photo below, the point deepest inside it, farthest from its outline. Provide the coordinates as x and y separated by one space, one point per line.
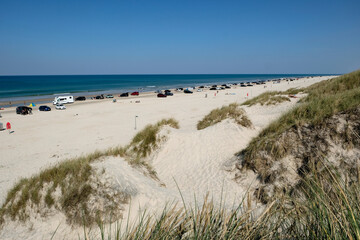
115 86
192 157
47 99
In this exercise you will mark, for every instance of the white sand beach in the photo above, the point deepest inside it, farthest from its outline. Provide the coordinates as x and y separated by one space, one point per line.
198 161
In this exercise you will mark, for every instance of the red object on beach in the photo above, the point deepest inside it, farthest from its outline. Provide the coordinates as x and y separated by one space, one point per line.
8 125
247 94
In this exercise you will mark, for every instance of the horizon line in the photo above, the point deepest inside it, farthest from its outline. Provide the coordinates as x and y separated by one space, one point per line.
133 74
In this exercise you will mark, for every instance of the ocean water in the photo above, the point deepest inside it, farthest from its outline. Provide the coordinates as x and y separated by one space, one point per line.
15 88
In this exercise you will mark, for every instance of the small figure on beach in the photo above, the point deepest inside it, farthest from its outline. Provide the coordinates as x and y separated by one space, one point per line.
8 127
205 95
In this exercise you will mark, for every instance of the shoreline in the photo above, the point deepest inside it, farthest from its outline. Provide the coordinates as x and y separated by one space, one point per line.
44 98
47 100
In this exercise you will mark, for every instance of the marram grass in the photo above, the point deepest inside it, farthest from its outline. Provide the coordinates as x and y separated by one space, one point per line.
324 99
272 97
232 111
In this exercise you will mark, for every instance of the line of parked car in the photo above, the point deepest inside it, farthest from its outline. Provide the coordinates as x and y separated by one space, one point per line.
25 110
61 100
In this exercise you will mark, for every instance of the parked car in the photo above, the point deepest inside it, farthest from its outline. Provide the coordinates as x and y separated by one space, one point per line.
169 93
60 107
187 91
23 110
135 94
212 88
109 96
99 97
201 87
44 108
161 95
80 98
124 94
199 90
179 89
167 90
227 86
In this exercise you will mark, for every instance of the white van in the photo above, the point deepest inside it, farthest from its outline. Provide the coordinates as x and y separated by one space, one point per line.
63 100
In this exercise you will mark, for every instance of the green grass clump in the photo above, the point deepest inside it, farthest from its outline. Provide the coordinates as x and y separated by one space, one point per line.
323 101
66 175
231 111
273 97
73 179
146 140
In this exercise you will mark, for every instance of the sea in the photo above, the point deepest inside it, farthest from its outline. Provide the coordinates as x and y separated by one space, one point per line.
24 88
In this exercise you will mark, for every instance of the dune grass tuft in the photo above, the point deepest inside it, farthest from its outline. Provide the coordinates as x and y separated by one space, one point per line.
72 179
231 111
323 101
273 97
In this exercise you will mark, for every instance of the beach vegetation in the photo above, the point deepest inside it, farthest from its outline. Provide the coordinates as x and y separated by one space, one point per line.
68 185
328 116
324 100
273 97
232 111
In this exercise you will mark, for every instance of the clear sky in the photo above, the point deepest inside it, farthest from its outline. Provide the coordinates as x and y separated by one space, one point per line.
178 36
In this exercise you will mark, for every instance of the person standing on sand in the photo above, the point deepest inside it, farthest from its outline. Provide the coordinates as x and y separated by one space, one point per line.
8 127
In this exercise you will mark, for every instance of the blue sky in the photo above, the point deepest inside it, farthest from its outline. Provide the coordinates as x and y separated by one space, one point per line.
140 37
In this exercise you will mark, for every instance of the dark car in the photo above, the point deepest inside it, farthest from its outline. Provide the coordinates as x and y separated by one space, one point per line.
80 98
161 95
167 90
169 94
201 87
213 88
135 94
187 91
23 110
44 108
99 97
124 94
242 85
227 86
